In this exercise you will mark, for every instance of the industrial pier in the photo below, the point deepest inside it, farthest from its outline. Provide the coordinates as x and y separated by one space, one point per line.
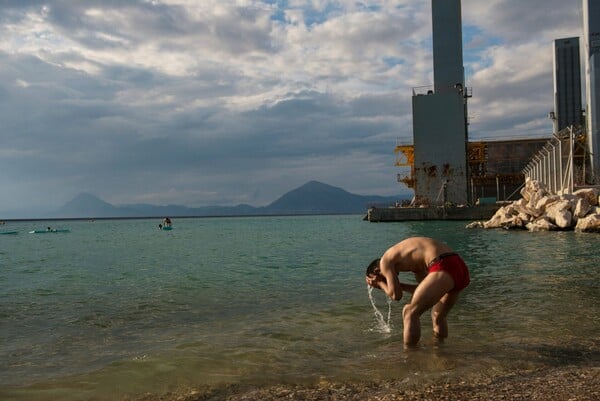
391 214
457 179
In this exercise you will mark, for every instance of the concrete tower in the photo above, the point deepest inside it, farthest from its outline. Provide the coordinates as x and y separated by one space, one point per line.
567 84
591 39
448 67
439 115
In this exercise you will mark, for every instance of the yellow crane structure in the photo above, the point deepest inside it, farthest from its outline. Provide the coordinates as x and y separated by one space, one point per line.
491 164
405 157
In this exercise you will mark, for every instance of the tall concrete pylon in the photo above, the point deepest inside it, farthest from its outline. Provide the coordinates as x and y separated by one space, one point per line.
591 40
440 116
448 69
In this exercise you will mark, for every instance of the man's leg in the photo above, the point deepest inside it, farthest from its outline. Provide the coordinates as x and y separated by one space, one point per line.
439 313
428 293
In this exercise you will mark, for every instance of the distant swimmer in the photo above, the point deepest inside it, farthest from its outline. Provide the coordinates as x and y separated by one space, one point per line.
441 275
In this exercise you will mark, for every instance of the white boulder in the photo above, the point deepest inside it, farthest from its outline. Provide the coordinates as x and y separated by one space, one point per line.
591 194
582 208
545 201
589 223
475 224
560 213
539 210
541 224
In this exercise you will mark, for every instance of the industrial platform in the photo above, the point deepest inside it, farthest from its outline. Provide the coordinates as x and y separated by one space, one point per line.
395 214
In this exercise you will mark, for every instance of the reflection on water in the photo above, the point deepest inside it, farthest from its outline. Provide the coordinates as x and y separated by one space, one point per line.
119 308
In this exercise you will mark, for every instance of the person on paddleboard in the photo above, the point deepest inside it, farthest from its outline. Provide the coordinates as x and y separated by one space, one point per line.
441 275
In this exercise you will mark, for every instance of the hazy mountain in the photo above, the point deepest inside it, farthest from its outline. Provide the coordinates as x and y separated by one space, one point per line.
88 205
178 210
316 197
311 198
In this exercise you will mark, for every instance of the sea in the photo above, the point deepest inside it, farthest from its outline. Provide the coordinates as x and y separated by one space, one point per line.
116 309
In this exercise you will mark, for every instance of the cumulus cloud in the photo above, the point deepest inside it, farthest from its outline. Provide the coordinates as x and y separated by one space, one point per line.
231 101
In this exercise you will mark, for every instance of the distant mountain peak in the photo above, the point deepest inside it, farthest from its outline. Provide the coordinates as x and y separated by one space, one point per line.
88 205
317 197
314 183
317 185
87 198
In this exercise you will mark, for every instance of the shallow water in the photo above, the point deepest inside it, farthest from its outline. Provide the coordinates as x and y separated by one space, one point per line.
117 307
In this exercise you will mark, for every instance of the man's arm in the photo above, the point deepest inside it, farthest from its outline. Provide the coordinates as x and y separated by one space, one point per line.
379 281
391 285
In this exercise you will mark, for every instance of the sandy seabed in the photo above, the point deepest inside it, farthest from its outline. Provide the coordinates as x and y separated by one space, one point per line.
564 383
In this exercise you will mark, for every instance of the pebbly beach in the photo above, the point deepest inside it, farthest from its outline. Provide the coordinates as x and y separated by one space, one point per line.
571 382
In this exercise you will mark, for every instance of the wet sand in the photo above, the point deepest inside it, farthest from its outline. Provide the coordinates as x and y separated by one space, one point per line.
573 383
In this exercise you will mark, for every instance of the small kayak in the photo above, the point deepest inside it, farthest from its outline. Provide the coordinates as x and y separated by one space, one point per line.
8 232
55 230
167 228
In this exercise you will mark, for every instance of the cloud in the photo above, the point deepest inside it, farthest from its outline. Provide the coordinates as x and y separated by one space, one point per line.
231 101
516 21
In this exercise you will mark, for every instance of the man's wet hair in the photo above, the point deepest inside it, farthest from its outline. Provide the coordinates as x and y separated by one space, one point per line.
373 267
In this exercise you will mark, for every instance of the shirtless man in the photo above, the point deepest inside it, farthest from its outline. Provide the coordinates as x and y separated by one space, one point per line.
440 273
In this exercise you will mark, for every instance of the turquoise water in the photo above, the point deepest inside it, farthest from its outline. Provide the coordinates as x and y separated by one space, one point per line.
118 308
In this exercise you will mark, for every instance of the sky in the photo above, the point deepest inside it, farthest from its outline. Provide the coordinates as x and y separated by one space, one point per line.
222 102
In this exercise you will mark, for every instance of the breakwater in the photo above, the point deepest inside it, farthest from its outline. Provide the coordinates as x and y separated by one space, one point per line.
540 210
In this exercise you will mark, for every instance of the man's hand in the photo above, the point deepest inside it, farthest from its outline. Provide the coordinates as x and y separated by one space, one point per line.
373 280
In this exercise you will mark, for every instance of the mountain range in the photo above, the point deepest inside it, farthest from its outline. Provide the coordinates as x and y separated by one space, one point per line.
311 198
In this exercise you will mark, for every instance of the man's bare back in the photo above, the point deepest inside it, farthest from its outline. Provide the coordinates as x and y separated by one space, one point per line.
414 254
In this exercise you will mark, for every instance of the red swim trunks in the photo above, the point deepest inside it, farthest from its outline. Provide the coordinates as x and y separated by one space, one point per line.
452 264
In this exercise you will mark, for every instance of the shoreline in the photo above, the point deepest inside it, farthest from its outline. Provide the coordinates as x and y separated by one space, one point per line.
570 382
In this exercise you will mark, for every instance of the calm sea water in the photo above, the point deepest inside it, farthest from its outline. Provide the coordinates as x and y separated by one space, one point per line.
119 308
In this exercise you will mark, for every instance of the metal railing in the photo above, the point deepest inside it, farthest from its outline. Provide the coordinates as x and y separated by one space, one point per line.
561 163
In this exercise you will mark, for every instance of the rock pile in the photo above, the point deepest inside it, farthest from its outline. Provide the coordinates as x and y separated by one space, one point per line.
539 210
